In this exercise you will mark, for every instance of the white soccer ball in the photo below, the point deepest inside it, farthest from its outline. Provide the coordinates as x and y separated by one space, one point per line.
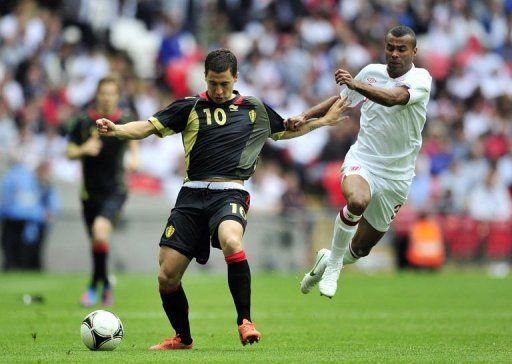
101 330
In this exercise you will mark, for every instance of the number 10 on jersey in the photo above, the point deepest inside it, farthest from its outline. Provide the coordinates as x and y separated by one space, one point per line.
219 115
238 209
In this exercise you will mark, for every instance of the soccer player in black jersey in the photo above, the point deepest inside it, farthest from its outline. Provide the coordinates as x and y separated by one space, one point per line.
103 191
223 133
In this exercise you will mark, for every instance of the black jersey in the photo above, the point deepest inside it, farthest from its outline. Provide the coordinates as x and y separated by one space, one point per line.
220 140
104 173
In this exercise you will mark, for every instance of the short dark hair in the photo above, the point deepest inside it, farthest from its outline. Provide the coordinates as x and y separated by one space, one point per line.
110 79
220 60
401 31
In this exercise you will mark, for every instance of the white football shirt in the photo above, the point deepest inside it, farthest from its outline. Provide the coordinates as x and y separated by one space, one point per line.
389 138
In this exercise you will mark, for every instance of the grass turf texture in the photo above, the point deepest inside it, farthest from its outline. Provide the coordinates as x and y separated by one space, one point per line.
448 317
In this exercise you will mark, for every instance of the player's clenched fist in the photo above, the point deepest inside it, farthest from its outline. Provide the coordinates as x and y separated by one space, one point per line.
105 127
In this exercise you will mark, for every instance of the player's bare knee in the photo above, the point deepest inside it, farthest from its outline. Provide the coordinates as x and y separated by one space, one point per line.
357 203
232 243
168 280
101 229
100 237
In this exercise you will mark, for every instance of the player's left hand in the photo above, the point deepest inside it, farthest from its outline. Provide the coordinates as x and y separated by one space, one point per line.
334 115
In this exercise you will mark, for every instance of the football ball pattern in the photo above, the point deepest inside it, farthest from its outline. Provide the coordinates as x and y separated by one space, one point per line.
101 330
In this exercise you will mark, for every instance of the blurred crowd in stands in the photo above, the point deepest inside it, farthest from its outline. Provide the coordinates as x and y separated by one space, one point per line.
53 52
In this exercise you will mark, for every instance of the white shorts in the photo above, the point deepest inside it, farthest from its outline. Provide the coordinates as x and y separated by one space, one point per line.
387 195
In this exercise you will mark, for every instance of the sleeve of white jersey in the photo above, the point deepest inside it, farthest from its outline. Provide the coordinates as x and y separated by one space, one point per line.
419 84
353 97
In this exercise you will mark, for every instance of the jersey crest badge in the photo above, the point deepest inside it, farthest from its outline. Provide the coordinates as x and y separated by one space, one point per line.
233 107
252 115
169 231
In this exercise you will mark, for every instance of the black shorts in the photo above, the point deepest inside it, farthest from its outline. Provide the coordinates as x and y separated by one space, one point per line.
195 219
106 205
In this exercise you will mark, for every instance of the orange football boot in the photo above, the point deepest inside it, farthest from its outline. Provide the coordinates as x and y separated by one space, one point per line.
248 333
173 343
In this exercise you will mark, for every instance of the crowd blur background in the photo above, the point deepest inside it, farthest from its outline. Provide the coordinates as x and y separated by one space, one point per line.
53 53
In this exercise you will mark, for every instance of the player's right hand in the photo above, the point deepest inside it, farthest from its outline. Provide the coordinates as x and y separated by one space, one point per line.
343 77
105 126
294 122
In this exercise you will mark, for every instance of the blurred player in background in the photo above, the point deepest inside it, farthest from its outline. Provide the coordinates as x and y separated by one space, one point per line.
378 169
103 190
223 133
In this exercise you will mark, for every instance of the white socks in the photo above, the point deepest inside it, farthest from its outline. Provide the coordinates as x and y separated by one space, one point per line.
344 229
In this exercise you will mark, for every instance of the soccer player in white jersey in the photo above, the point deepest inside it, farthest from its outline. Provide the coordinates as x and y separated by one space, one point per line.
379 167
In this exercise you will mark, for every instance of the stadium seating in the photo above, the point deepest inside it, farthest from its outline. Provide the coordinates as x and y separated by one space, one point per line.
499 241
461 236
332 184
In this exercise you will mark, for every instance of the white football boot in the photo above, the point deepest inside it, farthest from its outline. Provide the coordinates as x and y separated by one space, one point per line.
313 277
329 282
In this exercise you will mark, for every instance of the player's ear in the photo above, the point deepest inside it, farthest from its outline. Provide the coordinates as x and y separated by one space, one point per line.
235 77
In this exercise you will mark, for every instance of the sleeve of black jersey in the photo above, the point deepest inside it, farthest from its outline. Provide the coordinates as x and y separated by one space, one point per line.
173 119
276 122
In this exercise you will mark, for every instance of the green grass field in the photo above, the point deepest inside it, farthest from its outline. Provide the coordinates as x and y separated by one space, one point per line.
448 317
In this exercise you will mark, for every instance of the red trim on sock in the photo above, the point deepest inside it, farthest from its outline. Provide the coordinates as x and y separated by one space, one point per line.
235 258
100 247
346 221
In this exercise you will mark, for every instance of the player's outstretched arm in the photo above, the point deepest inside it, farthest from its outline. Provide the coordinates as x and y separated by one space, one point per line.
133 130
388 97
319 110
332 117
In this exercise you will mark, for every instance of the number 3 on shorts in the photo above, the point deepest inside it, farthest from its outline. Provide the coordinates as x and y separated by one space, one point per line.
237 209
395 211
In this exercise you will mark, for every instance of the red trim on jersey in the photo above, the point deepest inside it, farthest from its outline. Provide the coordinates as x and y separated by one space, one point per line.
239 100
235 258
100 247
114 117
347 221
